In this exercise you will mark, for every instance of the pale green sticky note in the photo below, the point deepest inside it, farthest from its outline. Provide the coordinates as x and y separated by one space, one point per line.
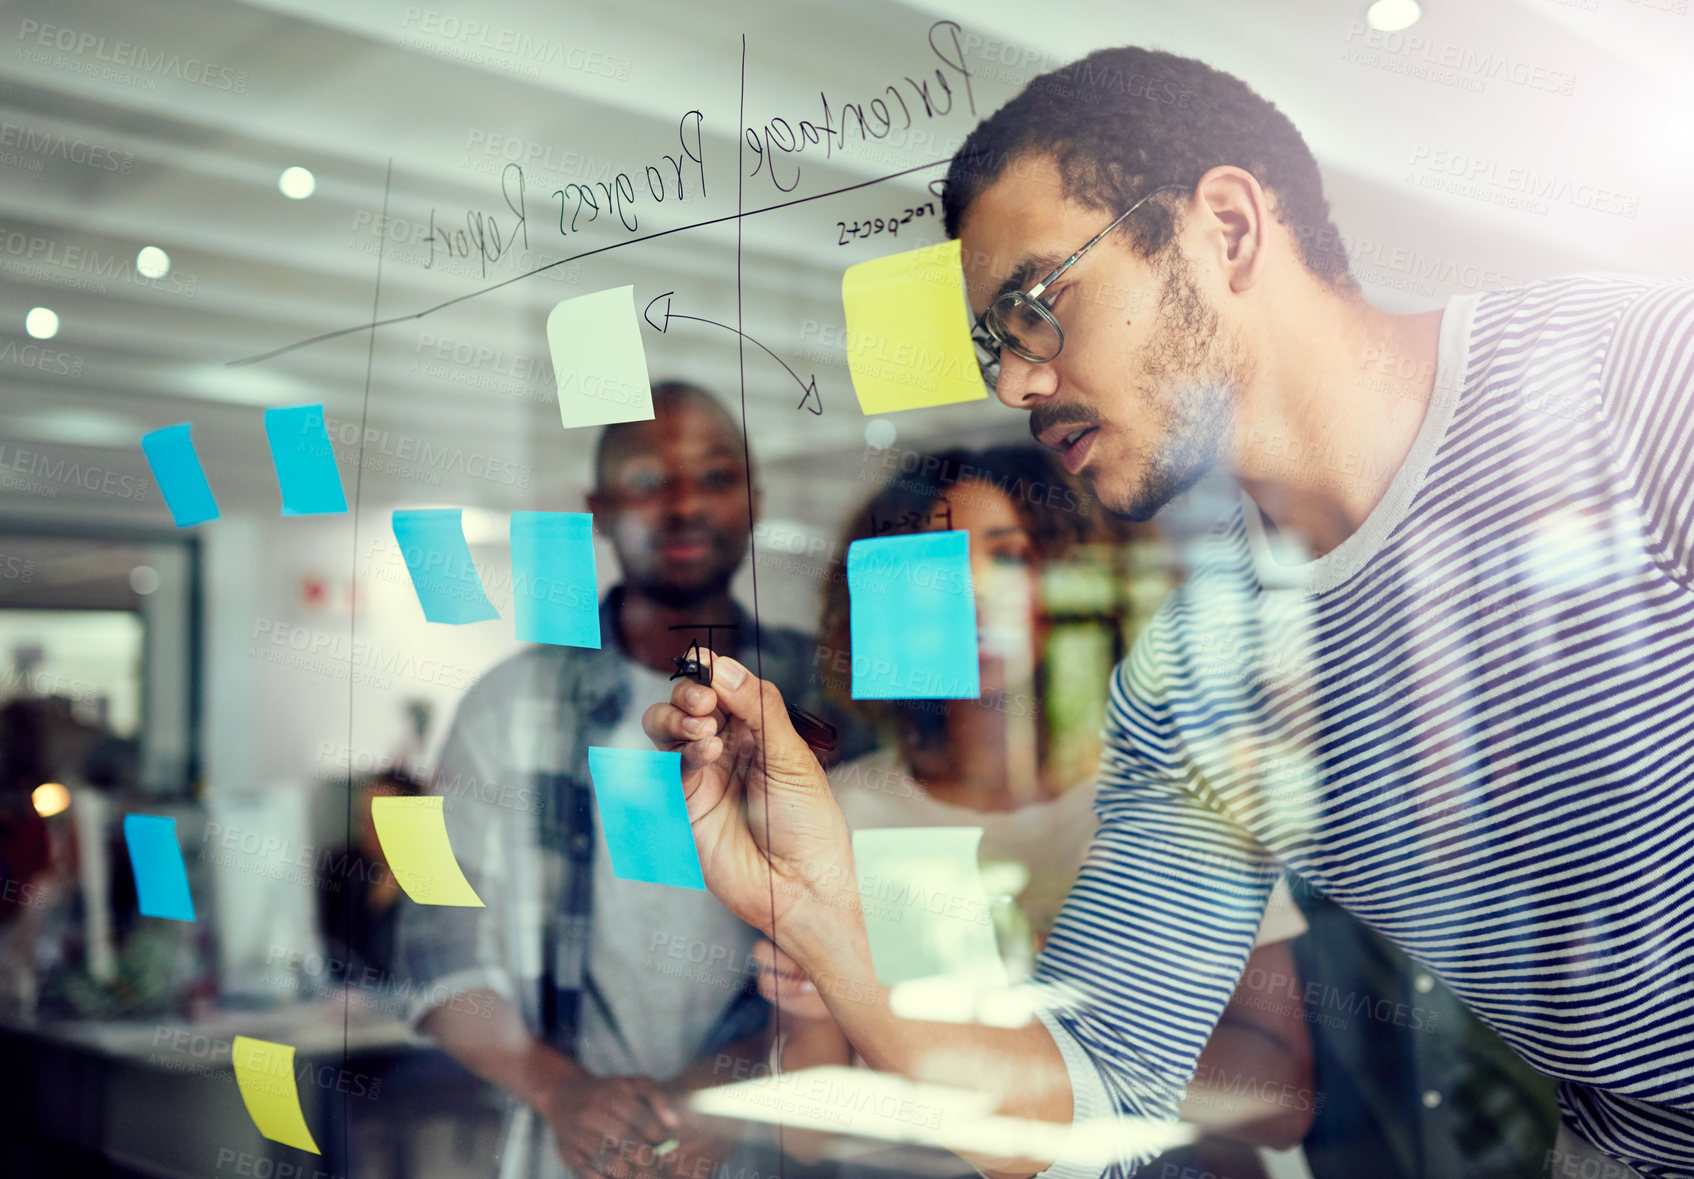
598 361
926 912
908 331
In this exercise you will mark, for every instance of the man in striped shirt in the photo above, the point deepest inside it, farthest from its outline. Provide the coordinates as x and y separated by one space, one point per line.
1439 662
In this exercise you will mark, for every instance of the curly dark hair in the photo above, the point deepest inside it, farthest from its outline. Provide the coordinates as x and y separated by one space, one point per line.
395 778
1121 122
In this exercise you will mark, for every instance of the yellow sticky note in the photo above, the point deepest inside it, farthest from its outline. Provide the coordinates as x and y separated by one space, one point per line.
413 834
909 331
598 360
265 1073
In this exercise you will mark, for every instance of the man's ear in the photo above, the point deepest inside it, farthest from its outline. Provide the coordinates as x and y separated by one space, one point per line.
1235 217
758 508
597 507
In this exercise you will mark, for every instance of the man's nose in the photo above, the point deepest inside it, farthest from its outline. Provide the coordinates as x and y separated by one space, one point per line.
1022 383
683 497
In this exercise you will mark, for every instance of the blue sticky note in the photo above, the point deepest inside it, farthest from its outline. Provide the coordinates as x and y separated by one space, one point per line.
304 461
555 593
912 616
161 880
181 479
644 817
433 542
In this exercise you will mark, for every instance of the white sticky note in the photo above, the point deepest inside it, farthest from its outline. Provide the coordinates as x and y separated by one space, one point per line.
598 361
861 1103
926 912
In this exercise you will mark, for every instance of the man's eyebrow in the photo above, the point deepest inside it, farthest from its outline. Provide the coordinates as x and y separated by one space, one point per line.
721 450
1025 271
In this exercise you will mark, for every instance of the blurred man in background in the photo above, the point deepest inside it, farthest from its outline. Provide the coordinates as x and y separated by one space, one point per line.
638 985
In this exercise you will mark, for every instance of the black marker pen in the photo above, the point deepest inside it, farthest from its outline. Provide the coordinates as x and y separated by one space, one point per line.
814 731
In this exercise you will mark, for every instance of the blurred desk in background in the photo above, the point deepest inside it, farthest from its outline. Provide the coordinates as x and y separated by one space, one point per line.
158 1097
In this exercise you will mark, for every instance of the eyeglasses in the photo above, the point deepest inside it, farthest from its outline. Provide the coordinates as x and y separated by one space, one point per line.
1023 322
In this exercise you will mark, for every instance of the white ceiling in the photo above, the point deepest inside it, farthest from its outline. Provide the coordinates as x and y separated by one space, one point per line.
354 90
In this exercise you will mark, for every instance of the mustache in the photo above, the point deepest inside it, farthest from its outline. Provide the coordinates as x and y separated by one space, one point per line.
1044 417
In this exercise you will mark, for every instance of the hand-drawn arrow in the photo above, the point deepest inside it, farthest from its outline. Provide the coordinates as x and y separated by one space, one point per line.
811 386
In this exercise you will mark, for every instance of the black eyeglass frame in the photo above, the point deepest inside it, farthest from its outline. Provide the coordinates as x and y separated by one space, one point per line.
988 337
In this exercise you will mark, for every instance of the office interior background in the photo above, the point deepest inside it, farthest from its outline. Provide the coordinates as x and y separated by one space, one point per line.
188 189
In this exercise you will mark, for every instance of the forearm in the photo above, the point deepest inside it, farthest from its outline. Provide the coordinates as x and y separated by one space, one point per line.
492 1042
813 1043
1254 1080
1250 1088
735 1061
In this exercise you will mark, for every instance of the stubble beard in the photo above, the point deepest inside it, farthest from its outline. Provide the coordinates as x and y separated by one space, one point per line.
682 597
1192 378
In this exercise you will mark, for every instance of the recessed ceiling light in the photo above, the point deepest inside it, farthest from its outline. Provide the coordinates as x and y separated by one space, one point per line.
1390 16
153 262
70 426
42 323
297 183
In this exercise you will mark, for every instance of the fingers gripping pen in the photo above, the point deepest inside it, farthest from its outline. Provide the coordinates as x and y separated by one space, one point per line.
814 731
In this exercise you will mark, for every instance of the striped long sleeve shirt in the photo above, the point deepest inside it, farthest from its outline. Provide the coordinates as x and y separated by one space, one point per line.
1471 724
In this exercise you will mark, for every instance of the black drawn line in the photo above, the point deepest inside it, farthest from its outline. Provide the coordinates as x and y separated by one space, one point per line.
365 327
809 388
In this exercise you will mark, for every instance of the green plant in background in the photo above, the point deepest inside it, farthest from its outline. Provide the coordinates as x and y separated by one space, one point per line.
1079 662
148 981
1095 604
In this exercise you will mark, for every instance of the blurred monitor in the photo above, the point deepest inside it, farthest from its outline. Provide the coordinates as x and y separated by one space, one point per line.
266 875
